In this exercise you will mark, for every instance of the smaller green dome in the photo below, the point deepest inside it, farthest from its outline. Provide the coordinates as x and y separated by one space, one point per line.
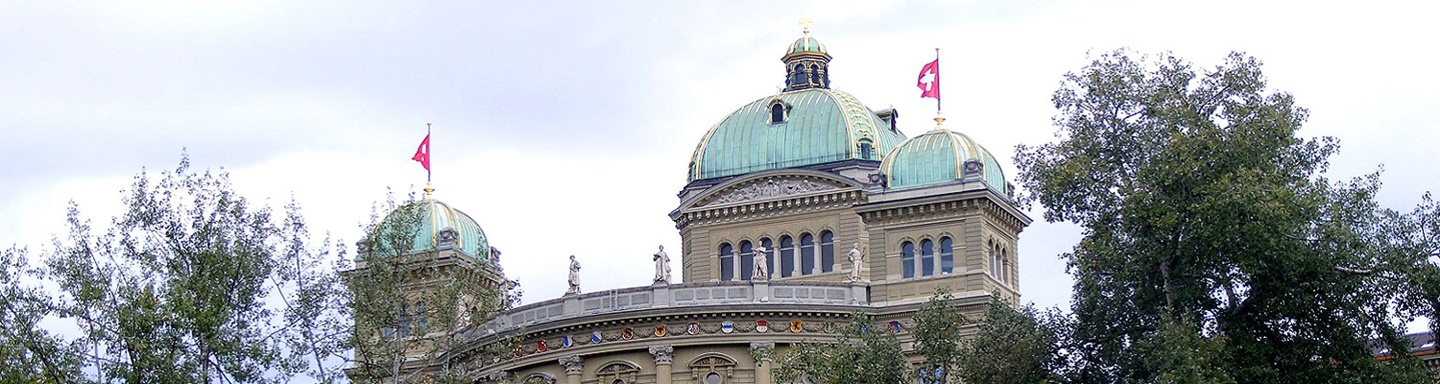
939 157
431 217
806 44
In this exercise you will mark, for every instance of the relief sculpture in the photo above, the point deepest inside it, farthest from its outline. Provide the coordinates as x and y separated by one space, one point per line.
770 188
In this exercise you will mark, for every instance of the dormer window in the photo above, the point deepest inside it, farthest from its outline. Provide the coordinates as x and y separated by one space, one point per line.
777 112
867 150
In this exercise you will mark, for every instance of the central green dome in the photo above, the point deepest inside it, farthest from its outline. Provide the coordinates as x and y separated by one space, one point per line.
432 217
792 129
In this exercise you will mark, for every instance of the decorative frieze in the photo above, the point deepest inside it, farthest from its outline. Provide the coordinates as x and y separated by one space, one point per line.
769 189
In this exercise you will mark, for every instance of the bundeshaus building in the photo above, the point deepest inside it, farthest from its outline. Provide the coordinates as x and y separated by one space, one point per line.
799 209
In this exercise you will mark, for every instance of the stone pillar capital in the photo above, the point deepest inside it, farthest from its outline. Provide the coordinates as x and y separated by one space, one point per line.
574 364
761 350
664 354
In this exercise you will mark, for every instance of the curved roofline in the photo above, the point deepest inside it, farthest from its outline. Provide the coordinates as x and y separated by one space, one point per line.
859 122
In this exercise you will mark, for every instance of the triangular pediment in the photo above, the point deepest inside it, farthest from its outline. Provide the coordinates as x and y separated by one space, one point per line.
772 187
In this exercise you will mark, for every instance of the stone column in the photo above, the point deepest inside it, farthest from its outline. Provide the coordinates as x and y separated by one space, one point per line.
574 366
664 356
762 351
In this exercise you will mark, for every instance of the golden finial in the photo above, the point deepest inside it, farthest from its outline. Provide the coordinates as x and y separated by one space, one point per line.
939 120
429 190
805 24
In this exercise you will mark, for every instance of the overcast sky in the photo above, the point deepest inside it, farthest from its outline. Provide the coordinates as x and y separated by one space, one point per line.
565 127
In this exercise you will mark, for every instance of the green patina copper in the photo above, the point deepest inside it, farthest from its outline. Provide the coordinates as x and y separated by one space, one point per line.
435 216
806 44
938 157
821 126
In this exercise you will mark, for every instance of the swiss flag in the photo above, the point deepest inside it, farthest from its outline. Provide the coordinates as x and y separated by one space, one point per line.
422 154
929 87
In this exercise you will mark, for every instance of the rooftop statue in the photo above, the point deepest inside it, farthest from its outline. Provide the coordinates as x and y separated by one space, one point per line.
662 266
574 277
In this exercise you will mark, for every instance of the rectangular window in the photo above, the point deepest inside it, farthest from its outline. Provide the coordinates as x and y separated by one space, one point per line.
727 267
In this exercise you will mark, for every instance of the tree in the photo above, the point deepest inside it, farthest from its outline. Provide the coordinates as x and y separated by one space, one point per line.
938 339
1013 345
409 306
28 353
1209 223
861 353
175 290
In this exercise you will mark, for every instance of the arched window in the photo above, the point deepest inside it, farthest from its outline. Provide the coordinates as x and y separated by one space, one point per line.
827 251
777 113
787 249
797 77
617 373
404 329
727 262
867 151
807 247
814 74
747 260
420 312
1004 260
947 255
712 368
907 259
994 260
927 257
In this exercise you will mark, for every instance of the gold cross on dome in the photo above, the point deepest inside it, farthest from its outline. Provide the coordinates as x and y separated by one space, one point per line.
805 24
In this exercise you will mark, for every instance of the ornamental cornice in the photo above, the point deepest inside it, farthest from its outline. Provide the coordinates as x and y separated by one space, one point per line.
894 214
773 208
681 329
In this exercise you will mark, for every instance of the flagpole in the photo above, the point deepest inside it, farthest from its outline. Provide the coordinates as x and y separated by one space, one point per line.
428 151
937 81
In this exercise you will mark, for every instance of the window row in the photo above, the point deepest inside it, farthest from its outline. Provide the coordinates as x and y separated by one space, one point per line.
999 259
411 319
927 259
793 257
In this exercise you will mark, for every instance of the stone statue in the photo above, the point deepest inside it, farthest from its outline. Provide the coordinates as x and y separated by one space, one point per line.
662 266
856 256
762 263
449 237
574 277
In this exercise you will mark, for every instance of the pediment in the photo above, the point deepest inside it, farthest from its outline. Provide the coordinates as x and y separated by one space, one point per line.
771 187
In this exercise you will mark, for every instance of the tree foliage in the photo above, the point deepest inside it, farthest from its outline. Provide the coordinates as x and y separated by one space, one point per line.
29 353
407 306
1013 345
860 353
1209 226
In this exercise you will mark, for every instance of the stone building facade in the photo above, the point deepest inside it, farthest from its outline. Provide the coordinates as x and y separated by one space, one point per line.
799 209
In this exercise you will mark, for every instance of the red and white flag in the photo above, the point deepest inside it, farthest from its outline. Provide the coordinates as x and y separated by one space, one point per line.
929 80
422 154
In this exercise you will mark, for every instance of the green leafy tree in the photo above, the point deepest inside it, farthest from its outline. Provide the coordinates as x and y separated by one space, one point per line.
861 353
1203 211
1014 345
28 353
938 338
408 306
175 290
